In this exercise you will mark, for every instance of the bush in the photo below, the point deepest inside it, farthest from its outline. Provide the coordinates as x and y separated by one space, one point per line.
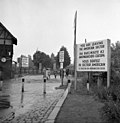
111 112
104 94
111 109
101 93
111 97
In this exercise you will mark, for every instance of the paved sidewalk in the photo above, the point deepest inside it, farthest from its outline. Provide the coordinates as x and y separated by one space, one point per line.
80 107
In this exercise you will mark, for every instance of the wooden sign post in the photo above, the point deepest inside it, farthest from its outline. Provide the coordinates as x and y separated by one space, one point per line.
61 60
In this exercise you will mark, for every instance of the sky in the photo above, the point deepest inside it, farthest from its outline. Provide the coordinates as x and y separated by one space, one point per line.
47 25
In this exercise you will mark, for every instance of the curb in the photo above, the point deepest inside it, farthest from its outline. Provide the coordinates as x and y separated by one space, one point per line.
54 113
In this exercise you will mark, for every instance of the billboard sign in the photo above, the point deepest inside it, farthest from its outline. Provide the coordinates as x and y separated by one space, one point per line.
25 61
93 56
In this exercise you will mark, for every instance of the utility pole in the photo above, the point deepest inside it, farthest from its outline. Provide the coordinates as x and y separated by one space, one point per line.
61 60
75 55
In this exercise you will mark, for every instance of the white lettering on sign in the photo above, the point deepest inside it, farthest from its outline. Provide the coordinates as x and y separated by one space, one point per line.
93 56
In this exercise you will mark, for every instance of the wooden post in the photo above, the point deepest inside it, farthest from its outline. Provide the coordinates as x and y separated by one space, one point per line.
109 64
75 53
98 81
75 68
62 74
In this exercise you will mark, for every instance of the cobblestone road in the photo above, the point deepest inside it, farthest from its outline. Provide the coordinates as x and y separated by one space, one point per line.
33 106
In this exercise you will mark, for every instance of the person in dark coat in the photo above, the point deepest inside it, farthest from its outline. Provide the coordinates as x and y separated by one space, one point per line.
67 72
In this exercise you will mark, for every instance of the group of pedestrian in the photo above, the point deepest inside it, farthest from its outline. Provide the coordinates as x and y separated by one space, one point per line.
62 73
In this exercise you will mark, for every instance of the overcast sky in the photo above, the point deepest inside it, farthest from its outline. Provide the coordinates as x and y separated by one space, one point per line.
47 25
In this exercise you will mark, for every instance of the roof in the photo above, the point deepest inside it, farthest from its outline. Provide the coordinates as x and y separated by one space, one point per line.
13 38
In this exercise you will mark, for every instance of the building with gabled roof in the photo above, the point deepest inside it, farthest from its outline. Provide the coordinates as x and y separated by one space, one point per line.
7 40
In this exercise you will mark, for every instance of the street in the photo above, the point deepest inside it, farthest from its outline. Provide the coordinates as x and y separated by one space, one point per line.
30 105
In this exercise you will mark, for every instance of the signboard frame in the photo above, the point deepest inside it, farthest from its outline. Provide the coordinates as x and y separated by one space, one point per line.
61 56
93 56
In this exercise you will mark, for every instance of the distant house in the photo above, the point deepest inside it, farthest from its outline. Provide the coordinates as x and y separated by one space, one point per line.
6 51
25 62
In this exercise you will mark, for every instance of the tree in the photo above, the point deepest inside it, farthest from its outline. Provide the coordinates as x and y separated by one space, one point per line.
53 61
66 57
115 62
115 55
41 57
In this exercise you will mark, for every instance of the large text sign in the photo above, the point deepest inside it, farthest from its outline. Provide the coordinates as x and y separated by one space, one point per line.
93 56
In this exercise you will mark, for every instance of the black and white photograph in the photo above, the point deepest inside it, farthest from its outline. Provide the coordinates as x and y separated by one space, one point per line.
59 61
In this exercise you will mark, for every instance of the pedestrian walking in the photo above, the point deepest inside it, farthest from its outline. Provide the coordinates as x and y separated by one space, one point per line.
49 74
61 73
45 73
67 72
55 74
